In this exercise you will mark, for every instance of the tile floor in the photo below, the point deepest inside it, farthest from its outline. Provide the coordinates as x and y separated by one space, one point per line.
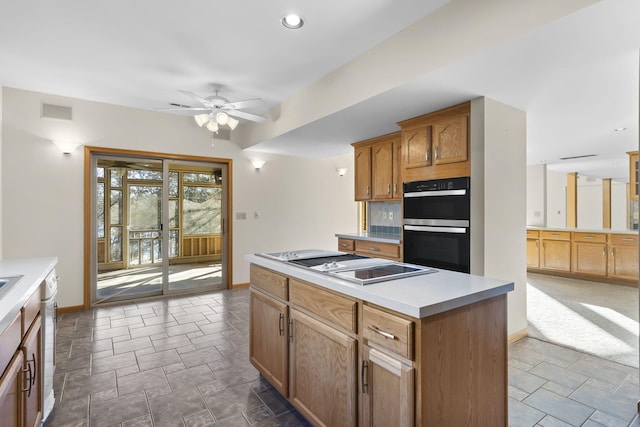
183 361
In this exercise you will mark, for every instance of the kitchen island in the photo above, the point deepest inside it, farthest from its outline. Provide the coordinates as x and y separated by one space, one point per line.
425 350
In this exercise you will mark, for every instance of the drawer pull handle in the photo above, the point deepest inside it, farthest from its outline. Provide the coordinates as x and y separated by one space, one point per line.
555 234
281 324
628 239
290 330
387 335
374 249
589 237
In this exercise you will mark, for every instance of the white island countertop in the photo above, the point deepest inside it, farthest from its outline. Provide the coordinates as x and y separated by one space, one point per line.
34 271
417 296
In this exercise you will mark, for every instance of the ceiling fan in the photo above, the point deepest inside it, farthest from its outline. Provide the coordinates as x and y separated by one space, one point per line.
219 111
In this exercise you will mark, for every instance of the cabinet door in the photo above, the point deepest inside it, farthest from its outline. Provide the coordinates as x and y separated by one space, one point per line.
11 392
387 390
533 253
590 258
362 173
32 378
417 147
322 373
450 141
556 255
382 170
633 175
623 262
397 170
268 339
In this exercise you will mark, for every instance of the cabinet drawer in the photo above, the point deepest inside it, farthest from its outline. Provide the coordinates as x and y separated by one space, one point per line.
624 239
9 342
334 308
346 245
533 234
30 310
387 330
375 249
556 235
590 237
269 281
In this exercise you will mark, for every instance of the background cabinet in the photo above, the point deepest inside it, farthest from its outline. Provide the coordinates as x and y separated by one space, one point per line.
623 259
633 175
533 249
377 173
362 173
590 253
436 145
556 250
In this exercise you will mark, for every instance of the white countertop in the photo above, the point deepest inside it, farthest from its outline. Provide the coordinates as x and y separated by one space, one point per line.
418 296
373 237
34 271
584 230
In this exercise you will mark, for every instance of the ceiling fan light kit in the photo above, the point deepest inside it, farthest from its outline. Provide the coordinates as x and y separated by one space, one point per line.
220 111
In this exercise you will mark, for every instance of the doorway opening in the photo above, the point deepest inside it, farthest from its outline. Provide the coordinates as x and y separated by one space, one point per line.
156 225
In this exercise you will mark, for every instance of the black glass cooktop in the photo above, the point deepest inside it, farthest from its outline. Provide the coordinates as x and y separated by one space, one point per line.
312 262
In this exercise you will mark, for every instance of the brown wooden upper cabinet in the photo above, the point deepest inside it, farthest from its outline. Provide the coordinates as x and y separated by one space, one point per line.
436 145
633 175
377 168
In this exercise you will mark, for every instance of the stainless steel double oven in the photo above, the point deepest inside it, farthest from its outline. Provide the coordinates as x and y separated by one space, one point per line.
437 223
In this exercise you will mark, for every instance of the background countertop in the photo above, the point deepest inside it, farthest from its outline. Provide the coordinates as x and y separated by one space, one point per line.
373 237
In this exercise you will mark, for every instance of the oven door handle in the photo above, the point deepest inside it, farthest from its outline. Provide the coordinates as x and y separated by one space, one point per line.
436 193
452 230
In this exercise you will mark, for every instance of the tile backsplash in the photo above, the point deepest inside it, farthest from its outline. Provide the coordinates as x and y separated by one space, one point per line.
385 217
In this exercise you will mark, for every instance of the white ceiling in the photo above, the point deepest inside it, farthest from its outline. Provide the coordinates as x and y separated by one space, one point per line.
576 77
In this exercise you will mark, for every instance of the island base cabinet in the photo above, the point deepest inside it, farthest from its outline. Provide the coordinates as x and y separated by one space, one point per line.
463 373
387 390
322 372
268 339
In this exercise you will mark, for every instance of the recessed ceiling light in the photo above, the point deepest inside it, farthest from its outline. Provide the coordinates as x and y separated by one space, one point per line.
619 129
292 21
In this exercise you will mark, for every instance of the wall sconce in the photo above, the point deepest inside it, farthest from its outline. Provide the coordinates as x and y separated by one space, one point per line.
258 163
341 171
66 147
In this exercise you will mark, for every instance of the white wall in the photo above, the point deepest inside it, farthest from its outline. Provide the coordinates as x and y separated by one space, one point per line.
1 150
536 195
301 202
498 140
556 199
619 205
589 202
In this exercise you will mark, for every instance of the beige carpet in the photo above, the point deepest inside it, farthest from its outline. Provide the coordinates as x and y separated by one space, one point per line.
591 317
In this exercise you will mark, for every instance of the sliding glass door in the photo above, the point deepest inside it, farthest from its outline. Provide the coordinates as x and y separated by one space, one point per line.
159 227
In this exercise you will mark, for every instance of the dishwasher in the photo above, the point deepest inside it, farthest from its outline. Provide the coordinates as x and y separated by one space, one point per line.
49 310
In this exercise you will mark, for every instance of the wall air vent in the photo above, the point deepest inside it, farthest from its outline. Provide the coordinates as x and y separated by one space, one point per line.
60 112
578 157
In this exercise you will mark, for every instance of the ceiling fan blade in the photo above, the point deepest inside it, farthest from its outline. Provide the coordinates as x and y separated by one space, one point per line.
247 116
244 104
193 95
183 109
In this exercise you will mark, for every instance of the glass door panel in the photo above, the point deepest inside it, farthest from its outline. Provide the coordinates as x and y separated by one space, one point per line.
196 227
131 190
